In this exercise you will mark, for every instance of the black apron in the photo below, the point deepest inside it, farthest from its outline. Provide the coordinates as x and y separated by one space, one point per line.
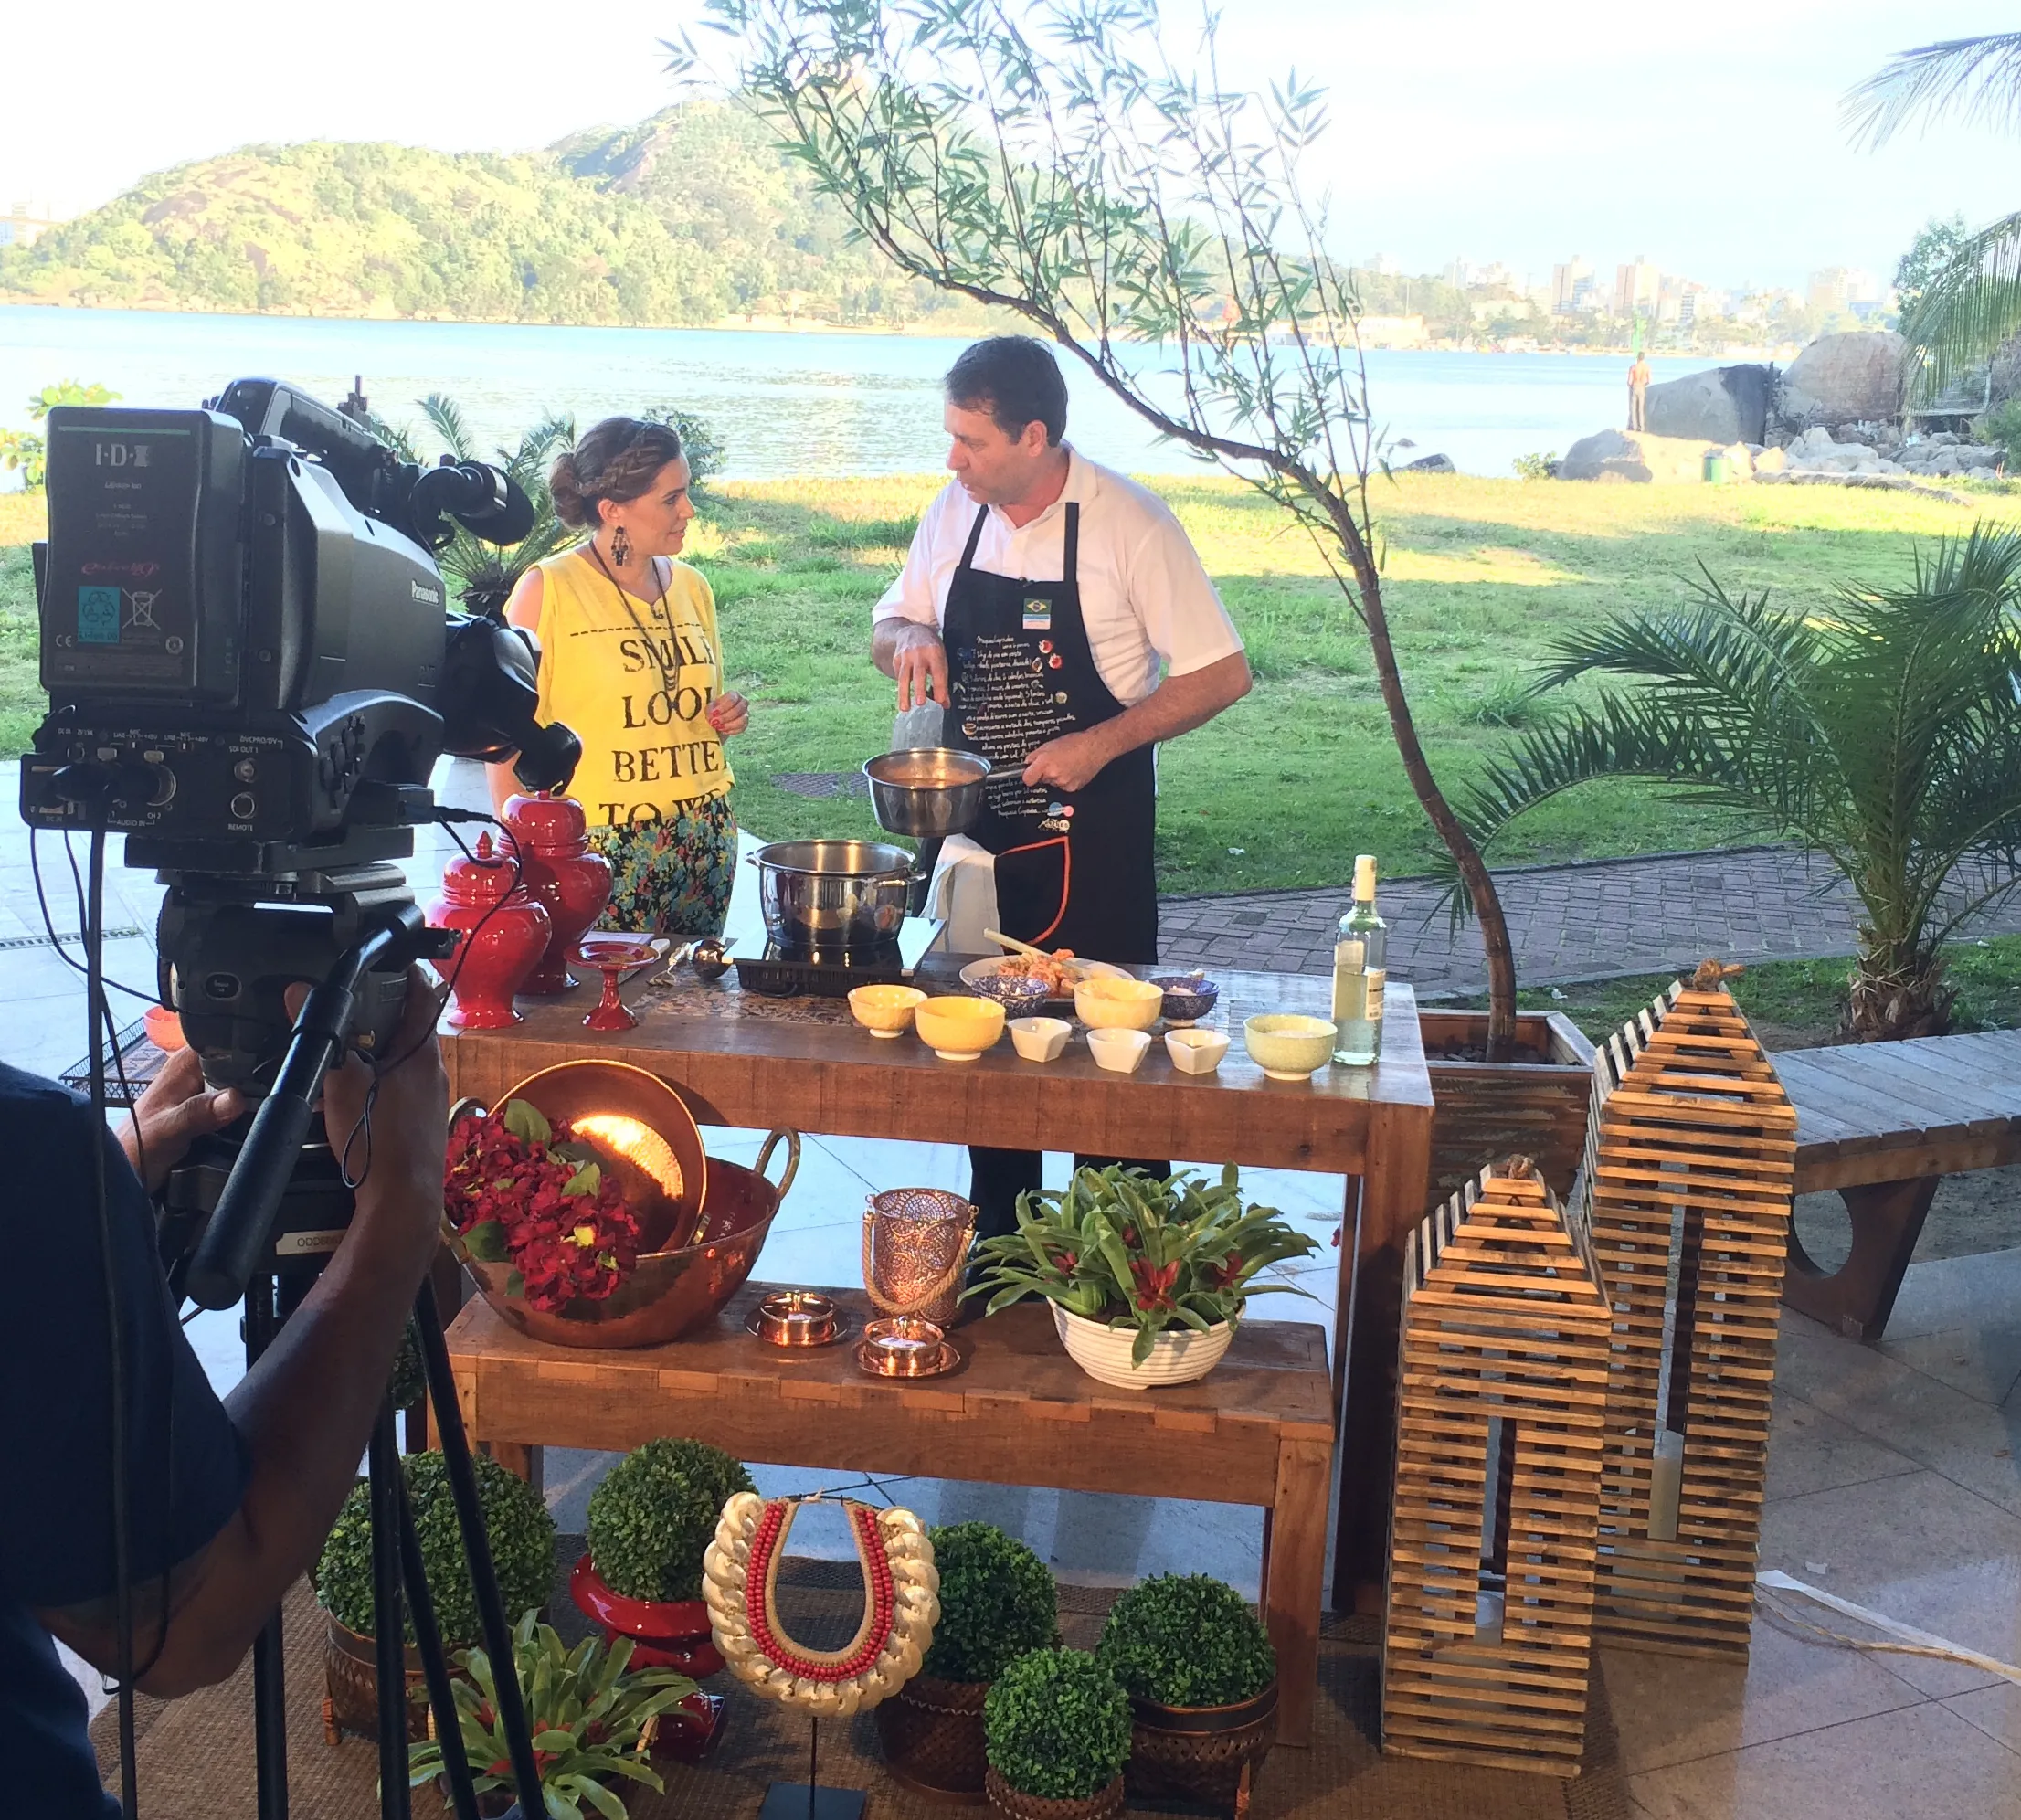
1073 869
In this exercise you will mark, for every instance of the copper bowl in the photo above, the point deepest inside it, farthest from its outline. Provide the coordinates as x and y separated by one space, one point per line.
716 1214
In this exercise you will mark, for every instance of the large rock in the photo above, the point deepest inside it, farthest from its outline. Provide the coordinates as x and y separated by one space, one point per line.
1848 379
1429 464
1634 455
1724 404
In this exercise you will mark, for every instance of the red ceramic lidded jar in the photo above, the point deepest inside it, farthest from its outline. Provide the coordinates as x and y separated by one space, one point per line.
562 875
504 935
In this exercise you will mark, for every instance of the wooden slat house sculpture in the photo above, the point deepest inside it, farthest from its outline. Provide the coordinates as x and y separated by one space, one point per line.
1686 1187
1489 1638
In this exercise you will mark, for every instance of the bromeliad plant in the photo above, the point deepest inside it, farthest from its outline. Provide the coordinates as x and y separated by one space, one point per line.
1118 1247
588 1710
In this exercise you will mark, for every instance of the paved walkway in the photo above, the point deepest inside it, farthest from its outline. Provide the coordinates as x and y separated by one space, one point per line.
1662 914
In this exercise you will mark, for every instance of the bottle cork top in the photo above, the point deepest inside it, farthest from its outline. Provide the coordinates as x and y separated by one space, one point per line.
1364 875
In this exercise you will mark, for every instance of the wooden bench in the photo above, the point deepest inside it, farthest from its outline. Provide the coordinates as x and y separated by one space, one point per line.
1257 1430
1883 1123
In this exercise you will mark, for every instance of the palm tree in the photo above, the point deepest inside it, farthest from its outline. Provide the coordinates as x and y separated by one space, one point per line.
484 574
1973 304
1886 735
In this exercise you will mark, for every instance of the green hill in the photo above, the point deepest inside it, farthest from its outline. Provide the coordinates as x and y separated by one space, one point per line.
688 218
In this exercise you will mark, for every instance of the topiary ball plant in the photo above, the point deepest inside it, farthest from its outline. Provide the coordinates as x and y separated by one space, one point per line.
522 1537
1187 1640
654 1515
996 1603
1057 1725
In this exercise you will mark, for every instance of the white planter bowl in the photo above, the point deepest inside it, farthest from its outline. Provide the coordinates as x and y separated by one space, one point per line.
1178 1356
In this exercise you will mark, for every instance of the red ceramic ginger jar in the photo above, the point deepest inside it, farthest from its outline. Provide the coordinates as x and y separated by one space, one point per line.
665 1633
562 875
504 935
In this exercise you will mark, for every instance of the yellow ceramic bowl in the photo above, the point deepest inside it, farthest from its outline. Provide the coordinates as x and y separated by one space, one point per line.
959 1028
1286 1046
884 1011
1118 1004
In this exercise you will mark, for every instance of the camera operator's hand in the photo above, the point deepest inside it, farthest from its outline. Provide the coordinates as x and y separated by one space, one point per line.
175 1110
409 1132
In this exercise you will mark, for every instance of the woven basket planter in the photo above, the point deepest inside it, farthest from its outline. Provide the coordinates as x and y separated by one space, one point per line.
931 1732
1205 1754
351 1675
1534 1104
1104 1804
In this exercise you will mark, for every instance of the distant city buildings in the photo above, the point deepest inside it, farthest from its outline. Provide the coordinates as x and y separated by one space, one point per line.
25 223
1636 287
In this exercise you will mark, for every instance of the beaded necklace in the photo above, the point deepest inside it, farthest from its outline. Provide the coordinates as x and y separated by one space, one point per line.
901 1606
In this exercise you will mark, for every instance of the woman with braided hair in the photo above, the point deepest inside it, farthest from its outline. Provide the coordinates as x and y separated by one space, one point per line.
631 659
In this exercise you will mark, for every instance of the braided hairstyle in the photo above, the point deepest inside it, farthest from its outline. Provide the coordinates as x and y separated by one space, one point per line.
617 460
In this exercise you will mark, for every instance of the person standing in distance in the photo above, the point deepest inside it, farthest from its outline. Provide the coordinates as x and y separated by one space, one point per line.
1061 618
1638 391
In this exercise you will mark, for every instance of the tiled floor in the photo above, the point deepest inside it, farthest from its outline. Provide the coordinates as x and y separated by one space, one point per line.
1892 1478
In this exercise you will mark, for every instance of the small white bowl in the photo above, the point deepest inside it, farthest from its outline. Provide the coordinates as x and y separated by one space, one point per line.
1119 1050
1195 1050
1040 1039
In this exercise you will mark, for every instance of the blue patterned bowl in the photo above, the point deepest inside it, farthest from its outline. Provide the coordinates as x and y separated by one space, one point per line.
1188 997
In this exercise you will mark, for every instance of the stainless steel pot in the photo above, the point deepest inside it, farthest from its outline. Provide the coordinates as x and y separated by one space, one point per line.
832 894
926 791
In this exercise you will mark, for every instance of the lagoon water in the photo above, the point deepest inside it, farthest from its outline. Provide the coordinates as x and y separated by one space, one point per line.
783 403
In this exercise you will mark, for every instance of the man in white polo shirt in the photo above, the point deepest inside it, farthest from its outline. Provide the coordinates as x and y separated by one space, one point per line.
1061 618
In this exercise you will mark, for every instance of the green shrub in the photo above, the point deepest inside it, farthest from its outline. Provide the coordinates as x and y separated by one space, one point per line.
2002 428
1187 1640
522 1537
1056 1725
653 1516
997 1601
1536 467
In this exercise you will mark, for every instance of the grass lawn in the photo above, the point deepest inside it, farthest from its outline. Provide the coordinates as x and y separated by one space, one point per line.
1796 1004
1284 789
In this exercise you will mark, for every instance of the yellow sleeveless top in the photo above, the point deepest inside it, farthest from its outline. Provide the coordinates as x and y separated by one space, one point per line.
631 678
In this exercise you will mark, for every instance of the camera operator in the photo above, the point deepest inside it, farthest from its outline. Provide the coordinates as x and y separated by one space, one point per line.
229 1502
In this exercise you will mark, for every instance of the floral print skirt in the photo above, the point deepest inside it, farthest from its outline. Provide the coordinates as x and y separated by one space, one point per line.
671 877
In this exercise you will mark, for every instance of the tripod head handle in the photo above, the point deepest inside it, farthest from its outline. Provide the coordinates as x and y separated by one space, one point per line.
235 1241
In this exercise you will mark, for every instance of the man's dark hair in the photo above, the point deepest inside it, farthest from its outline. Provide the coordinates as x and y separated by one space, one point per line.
1016 379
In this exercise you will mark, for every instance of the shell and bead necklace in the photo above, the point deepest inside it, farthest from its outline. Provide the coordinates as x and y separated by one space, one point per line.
901 1606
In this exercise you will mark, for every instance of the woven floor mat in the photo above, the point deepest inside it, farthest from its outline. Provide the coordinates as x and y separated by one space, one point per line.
196 1754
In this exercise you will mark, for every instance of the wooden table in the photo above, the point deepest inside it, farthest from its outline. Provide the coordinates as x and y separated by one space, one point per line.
1883 1123
1258 1430
802 1065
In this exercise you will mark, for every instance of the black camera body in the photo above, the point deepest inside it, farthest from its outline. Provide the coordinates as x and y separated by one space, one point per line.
251 661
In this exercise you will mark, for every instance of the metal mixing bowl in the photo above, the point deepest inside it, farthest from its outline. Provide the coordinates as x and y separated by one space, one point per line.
925 791
832 894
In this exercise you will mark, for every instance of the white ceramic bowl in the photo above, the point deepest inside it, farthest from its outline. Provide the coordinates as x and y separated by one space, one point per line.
1118 1004
1196 1051
1287 1046
1040 1039
1178 1356
1119 1050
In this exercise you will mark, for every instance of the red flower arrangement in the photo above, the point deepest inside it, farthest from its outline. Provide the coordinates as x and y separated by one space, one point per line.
519 1190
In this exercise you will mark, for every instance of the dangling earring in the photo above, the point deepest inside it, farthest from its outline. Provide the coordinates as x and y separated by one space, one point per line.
620 547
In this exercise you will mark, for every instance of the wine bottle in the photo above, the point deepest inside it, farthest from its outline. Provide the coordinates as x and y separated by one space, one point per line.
1361 962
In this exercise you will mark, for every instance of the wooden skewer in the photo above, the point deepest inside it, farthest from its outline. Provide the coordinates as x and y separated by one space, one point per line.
1020 947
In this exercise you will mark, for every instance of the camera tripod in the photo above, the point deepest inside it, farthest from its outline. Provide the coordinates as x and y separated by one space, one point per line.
273 1237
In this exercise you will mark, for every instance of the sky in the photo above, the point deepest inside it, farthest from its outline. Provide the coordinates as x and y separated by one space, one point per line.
1708 142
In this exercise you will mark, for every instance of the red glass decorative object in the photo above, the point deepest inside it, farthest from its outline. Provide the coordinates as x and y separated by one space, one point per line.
504 935
611 956
665 1633
562 875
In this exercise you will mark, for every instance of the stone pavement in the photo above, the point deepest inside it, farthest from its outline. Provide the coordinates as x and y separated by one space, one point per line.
1661 914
